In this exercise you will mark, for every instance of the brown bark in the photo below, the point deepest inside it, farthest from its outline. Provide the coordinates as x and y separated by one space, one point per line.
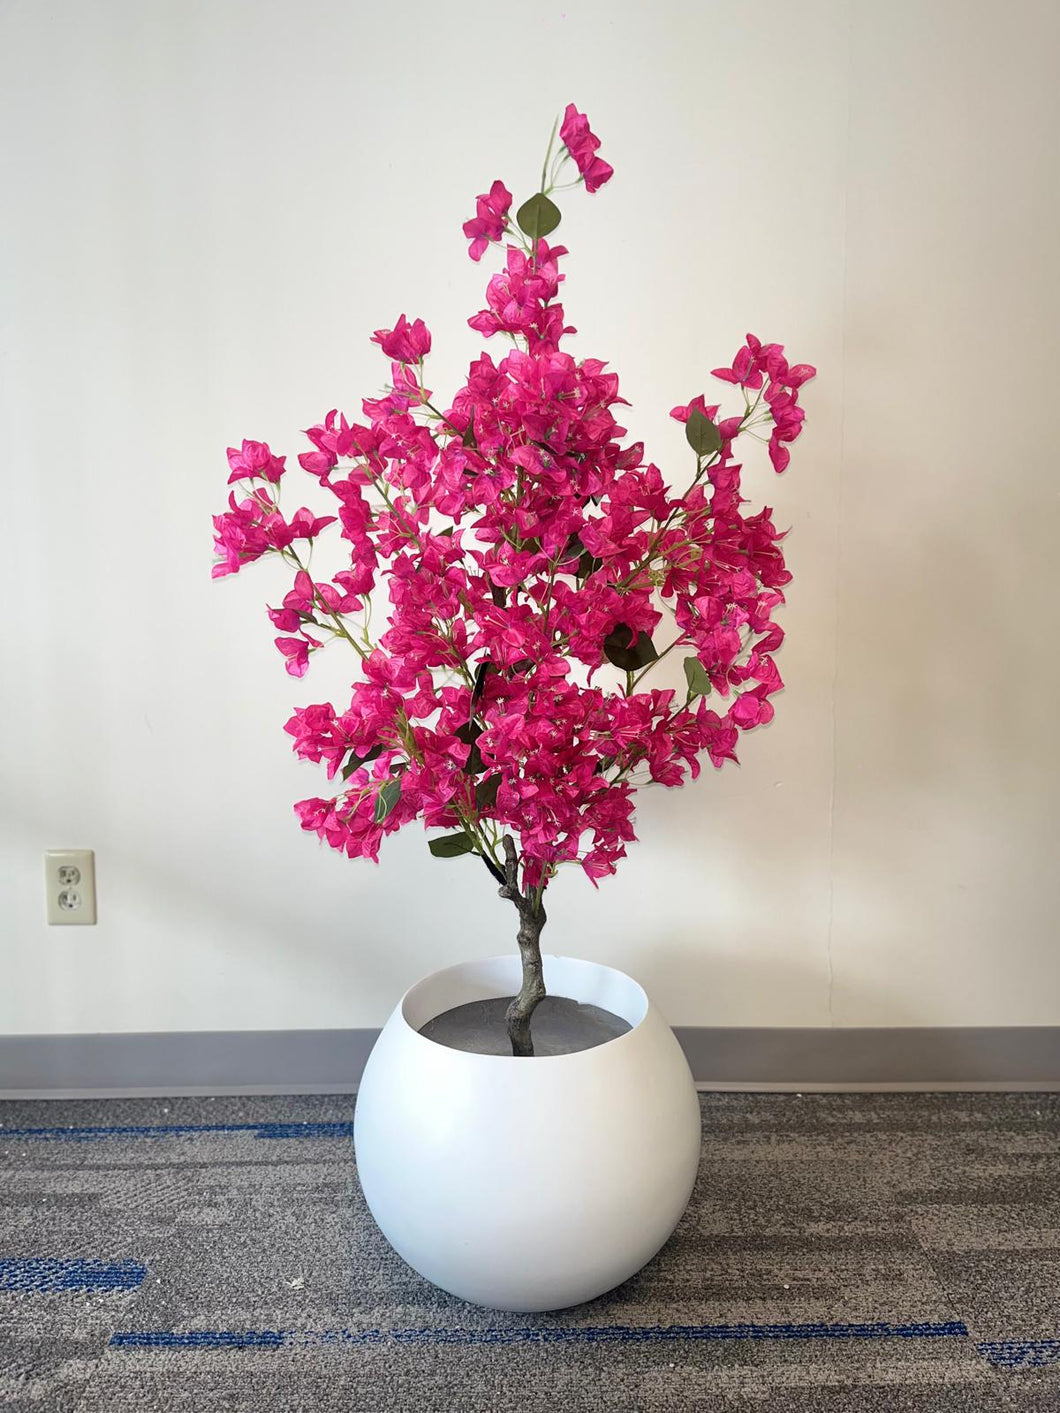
531 920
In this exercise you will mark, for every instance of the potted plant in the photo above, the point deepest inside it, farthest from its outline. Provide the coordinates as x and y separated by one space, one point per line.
537 570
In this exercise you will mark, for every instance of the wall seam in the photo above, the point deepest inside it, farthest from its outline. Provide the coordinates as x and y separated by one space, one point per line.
843 316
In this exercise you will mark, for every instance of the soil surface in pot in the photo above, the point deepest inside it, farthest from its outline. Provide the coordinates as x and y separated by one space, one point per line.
560 1027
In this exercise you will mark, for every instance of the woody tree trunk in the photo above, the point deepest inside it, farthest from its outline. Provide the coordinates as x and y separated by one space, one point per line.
531 920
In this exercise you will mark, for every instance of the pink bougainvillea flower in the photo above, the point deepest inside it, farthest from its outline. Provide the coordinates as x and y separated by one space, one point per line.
405 342
750 709
296 651
746 367
582 145
254 460
304 525
698 404
762 368
520 299
490 219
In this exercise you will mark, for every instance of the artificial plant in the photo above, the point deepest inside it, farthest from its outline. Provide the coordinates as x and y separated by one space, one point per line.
536 570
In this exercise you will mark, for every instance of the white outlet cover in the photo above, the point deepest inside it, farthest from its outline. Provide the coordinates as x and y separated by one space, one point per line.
70 887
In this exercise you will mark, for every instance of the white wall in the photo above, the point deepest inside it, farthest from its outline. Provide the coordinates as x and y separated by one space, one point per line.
207 207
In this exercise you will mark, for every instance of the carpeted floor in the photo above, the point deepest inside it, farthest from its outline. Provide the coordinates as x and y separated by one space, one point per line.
842 1252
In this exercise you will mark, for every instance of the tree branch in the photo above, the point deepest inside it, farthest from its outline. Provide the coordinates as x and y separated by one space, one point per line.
532 919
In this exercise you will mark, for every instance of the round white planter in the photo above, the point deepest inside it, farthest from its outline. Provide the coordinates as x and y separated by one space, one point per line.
527 1184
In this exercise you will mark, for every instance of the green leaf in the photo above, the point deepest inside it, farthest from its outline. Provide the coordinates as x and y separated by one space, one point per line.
575 554
386 799
355 761
486 791
451 846
702 434
481 673
538 216
697 677
469 734
468 439
629 652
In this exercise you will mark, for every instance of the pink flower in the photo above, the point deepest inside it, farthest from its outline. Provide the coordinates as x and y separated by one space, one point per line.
582 143
490 219
698 404
304 525
306 599
520 299
507 562
405 342
313 814
750 709
757 366
296 651
254 460
746 366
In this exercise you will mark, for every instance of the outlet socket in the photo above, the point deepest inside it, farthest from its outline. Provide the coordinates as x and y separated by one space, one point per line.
70 887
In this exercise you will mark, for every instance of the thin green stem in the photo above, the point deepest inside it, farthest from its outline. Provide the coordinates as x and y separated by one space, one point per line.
439 414
655 661
548 154
338 625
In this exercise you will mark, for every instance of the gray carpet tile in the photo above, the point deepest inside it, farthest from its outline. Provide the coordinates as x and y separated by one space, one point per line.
841 1254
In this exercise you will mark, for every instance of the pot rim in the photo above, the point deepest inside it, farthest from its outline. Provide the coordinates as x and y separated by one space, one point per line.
641 1005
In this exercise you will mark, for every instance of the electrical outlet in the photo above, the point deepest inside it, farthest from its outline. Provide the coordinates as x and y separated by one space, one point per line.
70 884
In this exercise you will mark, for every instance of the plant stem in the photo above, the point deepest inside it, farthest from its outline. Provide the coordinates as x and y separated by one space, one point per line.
645 670
532 919
548 154
439 414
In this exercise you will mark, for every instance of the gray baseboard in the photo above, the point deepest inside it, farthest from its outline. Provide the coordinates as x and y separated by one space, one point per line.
184 1062
902 1057
721 1057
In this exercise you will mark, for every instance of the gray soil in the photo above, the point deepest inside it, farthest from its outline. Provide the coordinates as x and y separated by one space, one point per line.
559 1027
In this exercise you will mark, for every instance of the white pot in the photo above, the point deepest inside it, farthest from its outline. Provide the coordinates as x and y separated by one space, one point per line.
527 1184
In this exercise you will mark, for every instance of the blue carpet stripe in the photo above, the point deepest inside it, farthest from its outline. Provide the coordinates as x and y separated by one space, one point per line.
505 1334
39 1273
1020 1353
198 1339
260 1130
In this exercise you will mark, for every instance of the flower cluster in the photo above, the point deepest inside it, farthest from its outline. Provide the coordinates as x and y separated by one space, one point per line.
535 568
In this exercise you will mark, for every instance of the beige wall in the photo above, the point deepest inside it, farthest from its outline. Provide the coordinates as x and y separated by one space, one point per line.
206 210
